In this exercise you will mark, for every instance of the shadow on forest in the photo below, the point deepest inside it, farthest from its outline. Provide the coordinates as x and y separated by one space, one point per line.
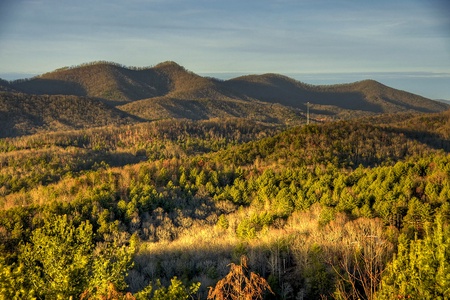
280 90
432 140
41 86
122 159
210 263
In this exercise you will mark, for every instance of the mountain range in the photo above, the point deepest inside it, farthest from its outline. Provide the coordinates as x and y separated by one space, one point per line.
104 93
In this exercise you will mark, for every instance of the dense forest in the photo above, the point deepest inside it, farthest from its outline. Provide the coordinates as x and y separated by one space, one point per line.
227 209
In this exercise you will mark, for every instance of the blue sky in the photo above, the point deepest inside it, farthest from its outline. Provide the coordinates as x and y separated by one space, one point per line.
402 43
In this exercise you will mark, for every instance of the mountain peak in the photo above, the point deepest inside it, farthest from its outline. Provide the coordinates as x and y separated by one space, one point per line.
169 66
168 63
370 83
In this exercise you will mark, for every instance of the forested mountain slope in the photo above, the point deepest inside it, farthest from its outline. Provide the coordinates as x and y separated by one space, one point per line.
5 86
117 83
206 108
340 209
22 114
101 80
168 90
363 96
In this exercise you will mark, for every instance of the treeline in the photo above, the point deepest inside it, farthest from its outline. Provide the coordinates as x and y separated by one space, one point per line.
89 64
334 211
30 161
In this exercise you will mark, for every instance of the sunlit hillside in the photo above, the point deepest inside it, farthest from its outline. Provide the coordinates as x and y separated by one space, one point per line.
161 209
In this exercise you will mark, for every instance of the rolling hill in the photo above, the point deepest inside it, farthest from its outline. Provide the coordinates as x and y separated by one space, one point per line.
101 80
365 96
168 90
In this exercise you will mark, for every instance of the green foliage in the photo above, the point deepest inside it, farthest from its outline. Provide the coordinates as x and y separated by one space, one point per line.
420 268
13 285
222 222
73 229
61 261
57 258
249 227
175 291
318 280
110 265
326 216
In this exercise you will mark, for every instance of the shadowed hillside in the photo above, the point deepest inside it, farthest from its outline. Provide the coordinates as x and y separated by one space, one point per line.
25 114
203 109
364 96
5 86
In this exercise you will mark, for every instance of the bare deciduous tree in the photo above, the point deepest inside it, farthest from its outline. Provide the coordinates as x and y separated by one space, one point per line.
362 259
240 284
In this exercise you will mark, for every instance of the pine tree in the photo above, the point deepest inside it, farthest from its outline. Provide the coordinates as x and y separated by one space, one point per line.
57 259
421 267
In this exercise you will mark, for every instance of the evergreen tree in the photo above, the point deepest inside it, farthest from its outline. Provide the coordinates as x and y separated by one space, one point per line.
420 269
58 257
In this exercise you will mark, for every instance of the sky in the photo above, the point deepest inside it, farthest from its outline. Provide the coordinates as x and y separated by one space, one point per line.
402 43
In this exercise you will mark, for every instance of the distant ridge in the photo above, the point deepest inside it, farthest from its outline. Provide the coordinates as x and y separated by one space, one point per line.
443 101
167 90
364 96
5 86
